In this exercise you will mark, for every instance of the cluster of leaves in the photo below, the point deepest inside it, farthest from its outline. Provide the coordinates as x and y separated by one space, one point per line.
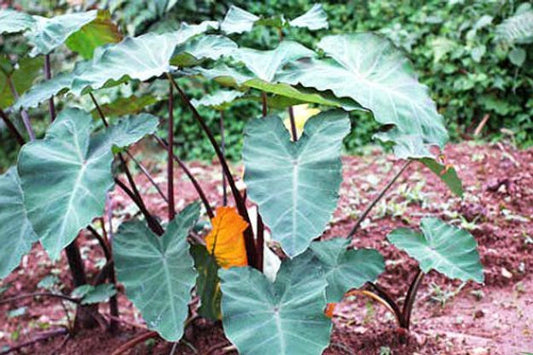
471 54
293 176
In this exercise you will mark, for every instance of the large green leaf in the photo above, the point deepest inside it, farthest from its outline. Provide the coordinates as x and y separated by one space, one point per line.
209 46
14 21
66 175
102 30
48 88
16 232
140 58
280 318
158 272
368 69
314 19
22 78
220 100
266 64
447 174
295 184
346 269
125 106
49 33
238 20
445 248
232 77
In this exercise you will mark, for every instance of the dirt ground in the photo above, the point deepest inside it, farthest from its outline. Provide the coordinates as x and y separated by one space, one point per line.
448 317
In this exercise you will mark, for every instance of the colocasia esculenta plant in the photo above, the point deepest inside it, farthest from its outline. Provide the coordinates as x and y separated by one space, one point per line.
268 302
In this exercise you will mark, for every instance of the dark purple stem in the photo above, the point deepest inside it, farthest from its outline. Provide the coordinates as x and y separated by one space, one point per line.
239 201
11 127
170 161
48 76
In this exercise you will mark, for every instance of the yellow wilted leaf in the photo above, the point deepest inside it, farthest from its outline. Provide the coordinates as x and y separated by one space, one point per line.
226 239
301 114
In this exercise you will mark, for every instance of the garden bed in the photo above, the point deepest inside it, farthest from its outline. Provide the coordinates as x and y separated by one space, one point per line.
447 318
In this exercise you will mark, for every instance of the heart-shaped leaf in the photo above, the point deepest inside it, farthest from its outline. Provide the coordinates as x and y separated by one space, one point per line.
125 106
209 46
220 100
48 88
12 21
346 269
66 175
139 58
314 19
266 64
158 272
368 69
445 248
49 33
16 233
238 20
295 184
284 317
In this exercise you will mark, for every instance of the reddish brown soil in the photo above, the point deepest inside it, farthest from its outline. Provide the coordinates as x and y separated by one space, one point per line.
494 318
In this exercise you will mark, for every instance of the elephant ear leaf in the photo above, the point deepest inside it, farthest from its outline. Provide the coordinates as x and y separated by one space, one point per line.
12 21
158 272
49 33
295 184
152 53
238 20
220 100
287 314
440 246
371 71
346 268
16 232
66 175
314 19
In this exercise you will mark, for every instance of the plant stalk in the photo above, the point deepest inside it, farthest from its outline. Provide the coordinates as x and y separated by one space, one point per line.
264 102
294 132
152 222
191 177
48 76
410 299
25 117
12 129
223 149
148 176
170 161
40 294
376 200
241 206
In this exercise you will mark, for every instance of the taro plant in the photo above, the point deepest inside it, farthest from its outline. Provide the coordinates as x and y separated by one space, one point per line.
292 174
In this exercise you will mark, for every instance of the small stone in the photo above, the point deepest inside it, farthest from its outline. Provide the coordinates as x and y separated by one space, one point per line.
506 273
479 314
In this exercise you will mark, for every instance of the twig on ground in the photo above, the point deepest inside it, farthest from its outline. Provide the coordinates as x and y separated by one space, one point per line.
133 342
41 337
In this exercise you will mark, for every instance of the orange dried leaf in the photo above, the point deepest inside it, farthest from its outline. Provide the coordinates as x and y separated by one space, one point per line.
330 308
226 239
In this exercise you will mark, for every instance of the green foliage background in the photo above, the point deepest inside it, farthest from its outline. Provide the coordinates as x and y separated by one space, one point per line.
452 44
